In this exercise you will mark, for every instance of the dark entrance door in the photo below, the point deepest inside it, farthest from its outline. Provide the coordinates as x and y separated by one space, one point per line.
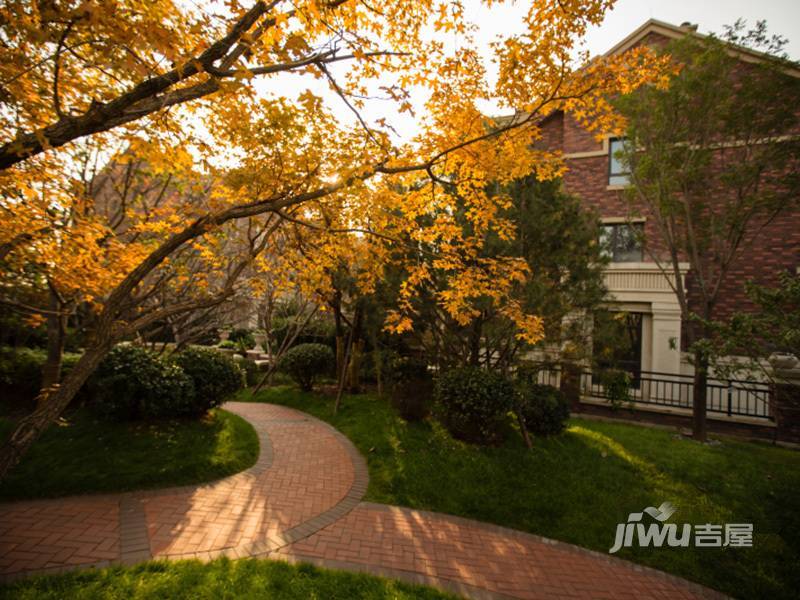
617 342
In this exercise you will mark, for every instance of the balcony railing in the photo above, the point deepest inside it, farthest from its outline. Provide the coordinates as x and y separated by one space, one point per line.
731 397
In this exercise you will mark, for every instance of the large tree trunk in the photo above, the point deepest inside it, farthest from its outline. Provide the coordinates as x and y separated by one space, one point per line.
49 408
700 388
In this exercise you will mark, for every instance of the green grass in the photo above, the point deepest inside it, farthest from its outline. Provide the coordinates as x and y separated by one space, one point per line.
220 579
82 454
577 486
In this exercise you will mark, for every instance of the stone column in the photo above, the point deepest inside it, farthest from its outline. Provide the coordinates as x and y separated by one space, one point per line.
665 340
786 404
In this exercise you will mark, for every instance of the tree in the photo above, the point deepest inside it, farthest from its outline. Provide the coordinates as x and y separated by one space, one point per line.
771 329
556 241
142 75
710 165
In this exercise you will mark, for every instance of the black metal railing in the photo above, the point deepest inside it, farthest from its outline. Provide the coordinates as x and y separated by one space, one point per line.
732 397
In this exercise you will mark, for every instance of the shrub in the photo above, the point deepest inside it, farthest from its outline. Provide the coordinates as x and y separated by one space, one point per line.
214 375
543 408
473 404
242 338
304 362
227 345
412 387
21 371
134 383
617 385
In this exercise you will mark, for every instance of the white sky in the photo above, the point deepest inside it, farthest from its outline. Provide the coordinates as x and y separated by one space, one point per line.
782 16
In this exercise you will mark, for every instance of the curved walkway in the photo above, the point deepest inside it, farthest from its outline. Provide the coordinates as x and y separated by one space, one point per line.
301 501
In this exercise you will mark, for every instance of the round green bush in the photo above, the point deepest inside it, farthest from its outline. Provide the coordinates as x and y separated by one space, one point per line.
543 408
133 383
21 373
304 362
412 387
473 404
215 376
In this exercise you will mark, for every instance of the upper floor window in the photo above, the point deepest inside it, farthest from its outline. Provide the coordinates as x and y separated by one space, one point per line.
622 242
618 173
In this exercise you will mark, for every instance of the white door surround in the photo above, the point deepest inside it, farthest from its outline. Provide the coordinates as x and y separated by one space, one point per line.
642 287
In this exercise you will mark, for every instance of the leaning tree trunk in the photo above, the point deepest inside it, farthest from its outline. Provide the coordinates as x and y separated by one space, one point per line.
49 408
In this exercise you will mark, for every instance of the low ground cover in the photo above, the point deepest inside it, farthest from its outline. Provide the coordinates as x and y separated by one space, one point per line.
247 578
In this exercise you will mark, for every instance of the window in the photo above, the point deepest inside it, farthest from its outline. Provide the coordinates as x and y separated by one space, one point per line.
622 242
617 172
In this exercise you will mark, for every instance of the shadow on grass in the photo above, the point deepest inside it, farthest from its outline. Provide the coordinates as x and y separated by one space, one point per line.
82 454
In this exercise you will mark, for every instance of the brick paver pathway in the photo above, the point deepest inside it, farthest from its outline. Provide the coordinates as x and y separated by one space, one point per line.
302 502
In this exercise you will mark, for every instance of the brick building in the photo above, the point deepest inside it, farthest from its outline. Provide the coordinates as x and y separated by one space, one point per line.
636 284
641 302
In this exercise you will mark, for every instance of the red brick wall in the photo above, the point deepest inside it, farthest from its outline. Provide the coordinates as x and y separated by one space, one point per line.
577 139
587 178
552 130
765 254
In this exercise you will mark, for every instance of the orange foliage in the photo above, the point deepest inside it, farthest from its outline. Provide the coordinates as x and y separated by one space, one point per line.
345 189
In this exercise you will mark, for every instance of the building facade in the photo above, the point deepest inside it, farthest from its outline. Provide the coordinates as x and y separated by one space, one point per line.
637 286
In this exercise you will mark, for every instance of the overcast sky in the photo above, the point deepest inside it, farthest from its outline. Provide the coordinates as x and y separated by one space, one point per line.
782 16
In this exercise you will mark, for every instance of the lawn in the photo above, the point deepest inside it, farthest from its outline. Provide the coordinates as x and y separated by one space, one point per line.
219 579
82 454
577 486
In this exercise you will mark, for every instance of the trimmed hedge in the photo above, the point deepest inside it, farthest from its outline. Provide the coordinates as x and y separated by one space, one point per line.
473 404
214 375
543 408
305 362
133 383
